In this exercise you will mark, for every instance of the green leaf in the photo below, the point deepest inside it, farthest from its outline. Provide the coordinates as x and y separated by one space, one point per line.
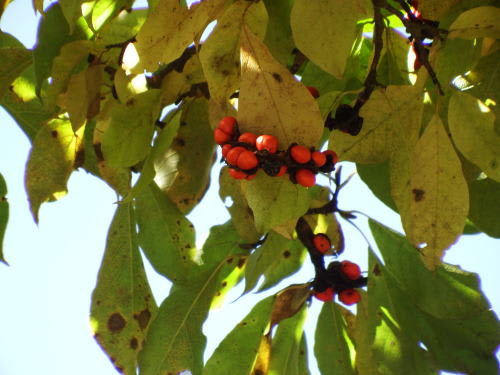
122 302
165 235
485 206
325 31
122 28
478 22
14 61
72 10
377 178
130 125
104 10
183 172
237 352
279 38
391 116
333 348
4 214
472 128
271 100
275 201
286 349
50 163
393 66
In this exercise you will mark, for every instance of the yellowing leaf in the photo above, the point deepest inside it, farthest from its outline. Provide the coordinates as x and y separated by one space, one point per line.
169 29
325 30
391 115
50 163
261 365
14 61
433 10
473 131
271 100
439 195
477 22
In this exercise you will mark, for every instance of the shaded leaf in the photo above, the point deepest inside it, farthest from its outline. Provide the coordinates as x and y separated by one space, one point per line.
478 22
165 235
472 128
236 354
122 302
485 206
122 28
4 214
271 100
50 163
275 201
14 61
117 178
72 10
377 178
279 32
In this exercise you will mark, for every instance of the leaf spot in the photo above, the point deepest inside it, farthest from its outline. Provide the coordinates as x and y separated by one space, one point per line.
134 343
286 254
143 318
418 194
116 322
277 77
54 133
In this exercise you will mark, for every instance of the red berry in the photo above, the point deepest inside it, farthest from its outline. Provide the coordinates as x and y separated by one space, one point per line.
301 154
239 175
247 138
267 142
325 296
221 137
250 176
247 160
319 158
334 156
350 270
225 149
233 155
305 177
227 125
282 171
314 91
349 297
322 243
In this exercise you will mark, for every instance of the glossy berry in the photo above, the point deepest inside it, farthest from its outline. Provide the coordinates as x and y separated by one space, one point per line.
314 91
233 155
227 125
225 149
221 137
282 170
349 297
319 158
305 177
333 155
247 138
267 142
247 160
350 270
322 243
239 175
325 296
301 154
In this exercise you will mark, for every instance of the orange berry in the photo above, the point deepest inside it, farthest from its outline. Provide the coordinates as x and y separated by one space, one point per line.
267 142
325 296
282 171
349 297
314 91
233 155
301 154
247 138
221 137
319 158
247 160
350 270
239 175
322 242
227 125
305 177
225 149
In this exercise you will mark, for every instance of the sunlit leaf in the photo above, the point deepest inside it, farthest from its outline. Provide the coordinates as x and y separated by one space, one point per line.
122 302
72 10
485 206
122 28
289 302
261 365
104 10
50 163
271 100
14 61
4 214
478 22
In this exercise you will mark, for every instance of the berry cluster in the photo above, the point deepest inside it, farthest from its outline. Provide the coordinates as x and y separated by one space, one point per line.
245 153
339 277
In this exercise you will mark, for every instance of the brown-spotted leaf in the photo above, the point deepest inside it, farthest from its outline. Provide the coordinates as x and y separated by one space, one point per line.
477 22
289 301
261 365
271 100
50 163
439 201
122 302
14 61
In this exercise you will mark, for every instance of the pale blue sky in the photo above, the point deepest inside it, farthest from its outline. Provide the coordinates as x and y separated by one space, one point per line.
45 292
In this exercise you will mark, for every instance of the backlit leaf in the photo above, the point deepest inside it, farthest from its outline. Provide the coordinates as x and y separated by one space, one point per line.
104 10
485 206
50 163
477 22
261 365
377 178
72 10
122 302
472 128
14 61
325 31
271 100
289 302
4 214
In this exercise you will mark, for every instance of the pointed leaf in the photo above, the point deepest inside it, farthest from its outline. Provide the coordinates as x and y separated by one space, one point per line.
289 302
279 32
485 206
271 100
261 365
122 302
477 22
376 177
72 10
472 128
4 214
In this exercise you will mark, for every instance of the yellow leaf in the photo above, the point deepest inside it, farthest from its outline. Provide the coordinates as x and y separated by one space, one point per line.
390 115
271 100
477 22
50 163
439 196
433 10
38 5
261 366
